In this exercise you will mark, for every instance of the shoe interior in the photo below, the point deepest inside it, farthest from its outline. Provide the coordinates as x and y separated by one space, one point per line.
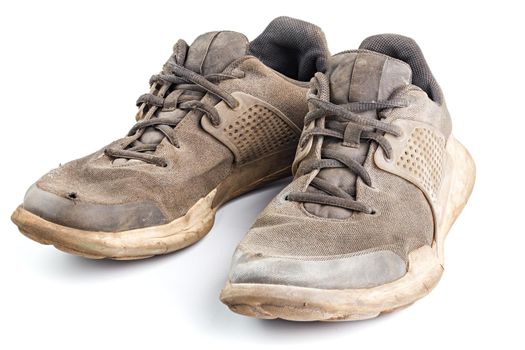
292 47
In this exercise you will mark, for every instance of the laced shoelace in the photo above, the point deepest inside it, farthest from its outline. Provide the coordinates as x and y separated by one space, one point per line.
361 129
187 88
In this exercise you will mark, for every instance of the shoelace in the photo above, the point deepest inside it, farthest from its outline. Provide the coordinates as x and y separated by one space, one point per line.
360 128
190 88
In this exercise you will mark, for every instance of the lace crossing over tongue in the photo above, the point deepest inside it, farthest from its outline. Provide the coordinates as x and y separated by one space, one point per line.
356 76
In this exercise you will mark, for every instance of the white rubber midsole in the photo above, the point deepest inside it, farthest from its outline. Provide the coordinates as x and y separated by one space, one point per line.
142 242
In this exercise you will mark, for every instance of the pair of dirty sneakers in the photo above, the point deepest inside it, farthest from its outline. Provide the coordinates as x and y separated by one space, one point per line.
378 178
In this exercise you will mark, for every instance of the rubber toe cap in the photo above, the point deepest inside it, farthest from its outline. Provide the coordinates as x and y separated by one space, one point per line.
71 211
358 271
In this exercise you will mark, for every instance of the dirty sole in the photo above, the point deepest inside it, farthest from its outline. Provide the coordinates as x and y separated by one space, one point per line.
125 245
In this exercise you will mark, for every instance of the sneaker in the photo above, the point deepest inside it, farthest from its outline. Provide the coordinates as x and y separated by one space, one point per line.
222 118
379 180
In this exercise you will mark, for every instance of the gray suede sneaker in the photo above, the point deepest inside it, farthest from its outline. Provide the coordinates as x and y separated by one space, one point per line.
222 118
379 180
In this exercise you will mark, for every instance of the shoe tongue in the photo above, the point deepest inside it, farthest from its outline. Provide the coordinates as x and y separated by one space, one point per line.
366 76
357 76
213 52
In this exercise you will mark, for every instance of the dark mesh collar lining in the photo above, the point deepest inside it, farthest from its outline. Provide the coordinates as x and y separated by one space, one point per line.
292 47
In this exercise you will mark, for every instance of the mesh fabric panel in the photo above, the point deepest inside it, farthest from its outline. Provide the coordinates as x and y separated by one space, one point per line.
259 132
423 159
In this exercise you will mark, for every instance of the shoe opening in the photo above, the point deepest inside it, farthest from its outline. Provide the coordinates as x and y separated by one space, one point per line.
292 47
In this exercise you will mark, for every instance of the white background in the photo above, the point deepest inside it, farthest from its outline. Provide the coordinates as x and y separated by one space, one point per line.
70 74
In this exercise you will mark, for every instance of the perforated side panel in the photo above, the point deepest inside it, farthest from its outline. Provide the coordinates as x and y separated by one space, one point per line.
423 159
259 131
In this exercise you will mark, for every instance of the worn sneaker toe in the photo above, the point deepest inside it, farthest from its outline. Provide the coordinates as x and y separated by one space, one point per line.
70 210
364 270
